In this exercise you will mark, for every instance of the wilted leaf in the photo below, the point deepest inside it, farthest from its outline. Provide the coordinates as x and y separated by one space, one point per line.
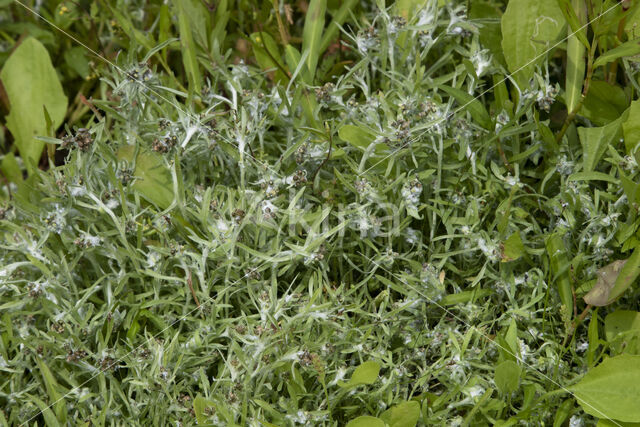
611 389
31 82
599 295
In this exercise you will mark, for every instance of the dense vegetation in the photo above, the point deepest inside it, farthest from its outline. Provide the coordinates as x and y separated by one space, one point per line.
319 212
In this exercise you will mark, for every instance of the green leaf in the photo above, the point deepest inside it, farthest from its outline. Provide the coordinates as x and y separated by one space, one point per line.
529 29
604 103
512 248
630 48
627 276
471 104
11 169
405 414
592 176
507 376
366 373
312 33
622 331
356 136
366 421
577 44
189 56
631 129
267 54
31 82
559 266
611 389
490 36
338 19
603 422
56 398
153 179
595 141
563 412
200 404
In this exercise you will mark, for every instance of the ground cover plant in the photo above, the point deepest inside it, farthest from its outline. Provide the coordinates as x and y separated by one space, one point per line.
421 212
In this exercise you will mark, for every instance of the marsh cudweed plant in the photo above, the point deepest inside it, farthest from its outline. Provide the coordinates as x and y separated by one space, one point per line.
243 248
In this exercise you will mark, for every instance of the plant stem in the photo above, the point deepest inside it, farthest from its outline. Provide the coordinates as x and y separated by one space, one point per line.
283 32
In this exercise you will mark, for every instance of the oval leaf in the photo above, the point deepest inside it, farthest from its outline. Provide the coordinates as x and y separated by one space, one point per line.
611 389
31 82
367 373
405 414
529 29
507 376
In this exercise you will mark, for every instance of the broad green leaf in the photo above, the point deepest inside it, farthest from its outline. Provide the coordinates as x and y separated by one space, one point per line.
153 179
611 389
366 421
595 141
31 82
189 55
471 104
577 44
312 33
631 129
507 376
627 276
622 331
599 295
366 373
512 248
630 48
604 103
405 414
529 29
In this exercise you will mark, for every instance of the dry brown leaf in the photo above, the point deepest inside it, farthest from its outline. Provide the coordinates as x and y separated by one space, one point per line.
607 275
